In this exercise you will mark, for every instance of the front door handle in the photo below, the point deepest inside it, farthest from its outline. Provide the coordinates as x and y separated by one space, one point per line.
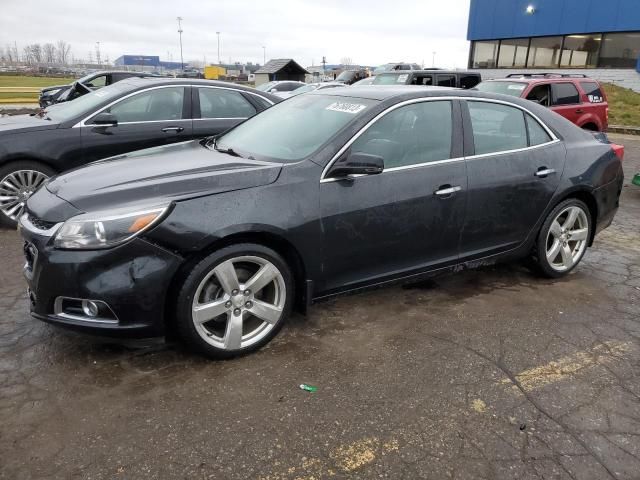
447 190
172 129
544 172
579 111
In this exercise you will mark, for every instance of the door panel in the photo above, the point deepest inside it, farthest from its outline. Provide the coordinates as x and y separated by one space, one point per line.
506 197
394 223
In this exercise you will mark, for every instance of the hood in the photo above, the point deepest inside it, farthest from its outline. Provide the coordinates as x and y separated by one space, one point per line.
24 123
158 175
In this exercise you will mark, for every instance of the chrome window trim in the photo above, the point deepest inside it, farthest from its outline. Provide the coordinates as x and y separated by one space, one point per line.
235 90
554 138
82 123
220 118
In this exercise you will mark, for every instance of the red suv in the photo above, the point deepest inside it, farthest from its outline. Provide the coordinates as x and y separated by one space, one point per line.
574 96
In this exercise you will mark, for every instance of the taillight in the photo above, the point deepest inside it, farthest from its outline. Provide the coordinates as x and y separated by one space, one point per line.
618 150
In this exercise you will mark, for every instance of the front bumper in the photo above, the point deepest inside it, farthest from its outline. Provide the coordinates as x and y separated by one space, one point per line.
132 279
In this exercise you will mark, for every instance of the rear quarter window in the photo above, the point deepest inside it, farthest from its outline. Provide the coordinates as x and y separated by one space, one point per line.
593 92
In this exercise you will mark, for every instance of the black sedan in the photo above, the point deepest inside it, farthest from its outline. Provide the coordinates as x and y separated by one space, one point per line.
326 193
130 115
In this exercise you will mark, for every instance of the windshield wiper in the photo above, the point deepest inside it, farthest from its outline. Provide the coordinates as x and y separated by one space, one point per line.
229 150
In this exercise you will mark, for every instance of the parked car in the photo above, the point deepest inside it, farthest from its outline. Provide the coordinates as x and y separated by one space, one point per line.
311 87
392 67
576 97
365 81
277 87
129 115
322 194
439 78
88 83
349 77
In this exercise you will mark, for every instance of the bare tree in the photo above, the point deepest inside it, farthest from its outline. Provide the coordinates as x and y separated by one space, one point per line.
8 54
36 52
346 61
27 56
49 53
64 51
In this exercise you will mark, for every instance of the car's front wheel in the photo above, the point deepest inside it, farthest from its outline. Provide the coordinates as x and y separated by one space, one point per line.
563 238
235 300
18 181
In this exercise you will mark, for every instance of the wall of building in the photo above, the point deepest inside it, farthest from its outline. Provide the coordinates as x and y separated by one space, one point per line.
623 77
496 19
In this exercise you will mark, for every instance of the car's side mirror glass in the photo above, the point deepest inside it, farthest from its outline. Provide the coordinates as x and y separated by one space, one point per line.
356 163
105 119
273 90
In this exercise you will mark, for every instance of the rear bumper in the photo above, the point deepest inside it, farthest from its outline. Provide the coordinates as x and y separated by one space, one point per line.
608 201
131 279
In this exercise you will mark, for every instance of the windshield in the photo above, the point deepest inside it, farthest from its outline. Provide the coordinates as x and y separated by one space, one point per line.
265 87
294 129
346 76
391 79
383 68
85 104
514 89
305 89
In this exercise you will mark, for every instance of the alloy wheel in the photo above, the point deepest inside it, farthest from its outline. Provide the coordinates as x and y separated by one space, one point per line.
239 302
16 188
567 238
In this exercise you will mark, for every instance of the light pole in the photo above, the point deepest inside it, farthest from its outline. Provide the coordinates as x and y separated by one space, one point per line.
218 34
433 60
264 55
98 52
180 32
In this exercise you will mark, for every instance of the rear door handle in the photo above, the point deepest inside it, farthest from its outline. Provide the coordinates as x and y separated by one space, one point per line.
447 190
172 129
579 111
544 172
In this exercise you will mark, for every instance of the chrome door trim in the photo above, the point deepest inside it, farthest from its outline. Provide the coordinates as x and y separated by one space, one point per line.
221 118
507 152
325 170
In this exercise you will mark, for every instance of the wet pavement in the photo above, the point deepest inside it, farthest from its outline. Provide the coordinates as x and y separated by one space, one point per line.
486 374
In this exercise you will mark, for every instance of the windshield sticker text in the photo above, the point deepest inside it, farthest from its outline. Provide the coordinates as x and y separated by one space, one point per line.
346 107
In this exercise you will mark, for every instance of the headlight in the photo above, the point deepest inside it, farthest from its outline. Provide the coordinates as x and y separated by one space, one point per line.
51 92
95 230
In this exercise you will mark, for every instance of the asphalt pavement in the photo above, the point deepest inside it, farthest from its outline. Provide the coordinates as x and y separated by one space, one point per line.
485 374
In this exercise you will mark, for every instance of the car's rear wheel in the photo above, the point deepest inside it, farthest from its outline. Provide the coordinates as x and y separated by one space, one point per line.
563 238
18 181
235 300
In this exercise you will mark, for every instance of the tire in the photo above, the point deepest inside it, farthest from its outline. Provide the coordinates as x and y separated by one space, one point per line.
19 180
209 310
560 248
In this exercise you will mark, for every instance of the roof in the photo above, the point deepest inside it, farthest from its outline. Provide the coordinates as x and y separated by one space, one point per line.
426 70
277 64
383 92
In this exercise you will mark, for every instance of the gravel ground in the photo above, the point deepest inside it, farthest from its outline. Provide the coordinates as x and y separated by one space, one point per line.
486 374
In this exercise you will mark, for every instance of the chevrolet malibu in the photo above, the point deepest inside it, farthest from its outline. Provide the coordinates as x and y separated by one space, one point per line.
219 240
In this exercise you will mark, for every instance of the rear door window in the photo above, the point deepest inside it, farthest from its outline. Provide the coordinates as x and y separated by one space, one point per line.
446 80
565 94
497 128
593 92
422 80
222 103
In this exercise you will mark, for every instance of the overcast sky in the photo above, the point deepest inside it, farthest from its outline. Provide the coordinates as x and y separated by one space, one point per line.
370 32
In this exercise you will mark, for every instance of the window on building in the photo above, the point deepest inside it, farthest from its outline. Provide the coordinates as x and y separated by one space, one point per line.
485 54
580 51
513 53
544 52
497 128
620 50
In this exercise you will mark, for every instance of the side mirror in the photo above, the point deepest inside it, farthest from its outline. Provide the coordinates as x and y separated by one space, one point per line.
105 119
357 163
273 90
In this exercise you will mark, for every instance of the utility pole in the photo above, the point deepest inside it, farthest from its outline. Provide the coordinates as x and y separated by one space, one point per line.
218 34
433 60
264 55
324 67
98 53
180 32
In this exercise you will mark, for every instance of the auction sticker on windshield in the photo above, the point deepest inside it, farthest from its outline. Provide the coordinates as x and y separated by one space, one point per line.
402 78
518 87
346 107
